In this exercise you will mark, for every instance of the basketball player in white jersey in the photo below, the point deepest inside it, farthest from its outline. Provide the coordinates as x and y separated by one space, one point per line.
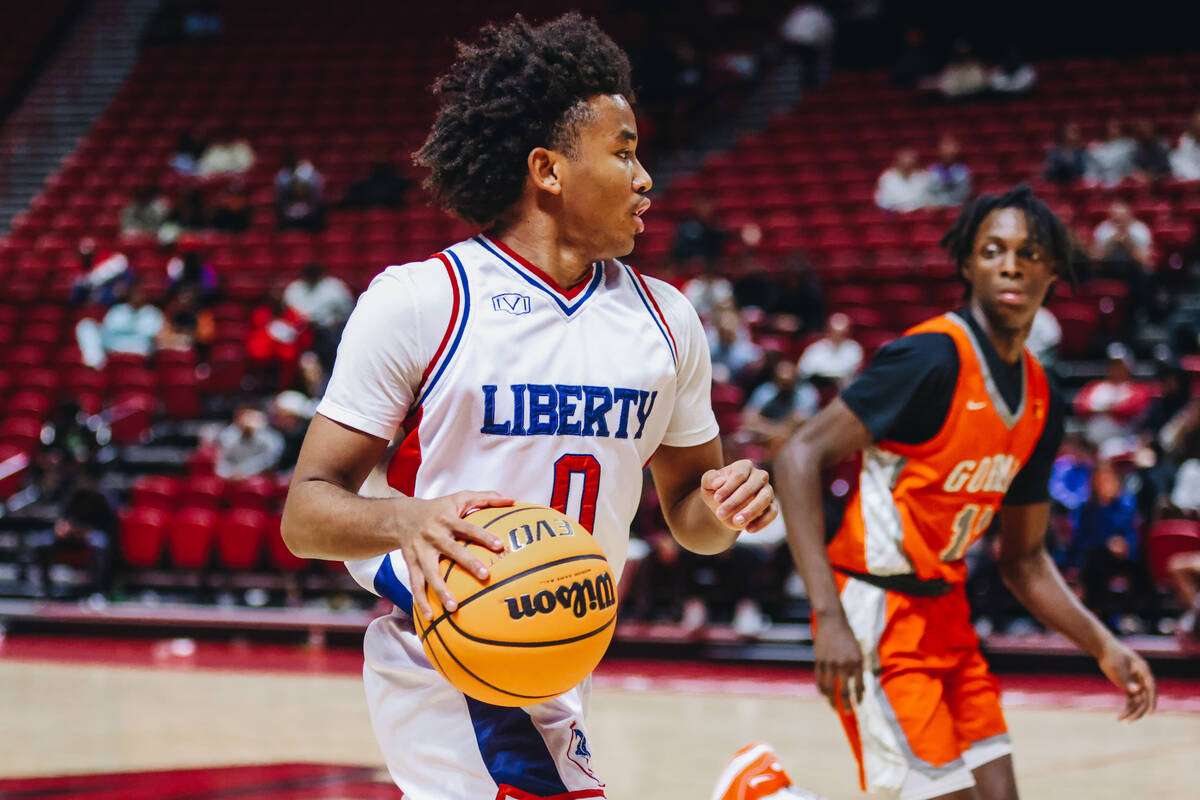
525 363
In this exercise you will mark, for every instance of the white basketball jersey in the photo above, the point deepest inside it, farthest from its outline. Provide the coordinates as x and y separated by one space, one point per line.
499 380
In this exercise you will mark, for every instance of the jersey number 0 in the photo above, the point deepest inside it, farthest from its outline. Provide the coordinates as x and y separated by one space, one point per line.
577 464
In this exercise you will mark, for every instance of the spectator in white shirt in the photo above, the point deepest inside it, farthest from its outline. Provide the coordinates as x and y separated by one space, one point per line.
1185 158
1110 160
1123 248
902 187
1044 336
128 327
835 356
226 154
249 446
730 347
326 302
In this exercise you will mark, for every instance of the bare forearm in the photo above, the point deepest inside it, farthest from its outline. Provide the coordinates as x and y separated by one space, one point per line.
323 520
693 525
799 475
1037 584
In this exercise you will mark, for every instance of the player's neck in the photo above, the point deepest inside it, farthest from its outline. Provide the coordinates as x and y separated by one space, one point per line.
538 244
1008 343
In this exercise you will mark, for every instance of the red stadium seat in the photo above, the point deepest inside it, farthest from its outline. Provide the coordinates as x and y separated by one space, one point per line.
155 491
202 491
13 463
190 538
240 538
1166 538
22 433
143 533
130 417
256 493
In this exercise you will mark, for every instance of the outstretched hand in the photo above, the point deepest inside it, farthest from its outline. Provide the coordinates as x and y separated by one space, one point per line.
433 528
1130 673
740 496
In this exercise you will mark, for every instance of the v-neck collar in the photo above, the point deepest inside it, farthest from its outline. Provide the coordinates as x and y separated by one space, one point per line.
568 300
1008 415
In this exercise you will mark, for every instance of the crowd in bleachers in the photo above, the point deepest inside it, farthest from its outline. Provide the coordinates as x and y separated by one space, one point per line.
181 268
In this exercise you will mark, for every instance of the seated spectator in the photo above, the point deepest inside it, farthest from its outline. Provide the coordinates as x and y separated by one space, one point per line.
1044 336
146 212
291 412
326 302
1180 443
730 347
1066 162
85 525
278 337
226 154
188 269
384 187
708 292
1151 159
188 214
1185 158
248 446
187 324
964 76
1123 248
1104 552
1013 75
902 186
777 409
104 276
698 235
188 150
1109 406
1110 160
1071 473
128 327
299 191
232 209
949 178
836 356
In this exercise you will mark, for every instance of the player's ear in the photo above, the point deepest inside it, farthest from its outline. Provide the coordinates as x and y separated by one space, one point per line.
544 169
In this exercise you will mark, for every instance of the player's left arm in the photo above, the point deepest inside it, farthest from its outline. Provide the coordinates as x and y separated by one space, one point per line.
705 502
1030 574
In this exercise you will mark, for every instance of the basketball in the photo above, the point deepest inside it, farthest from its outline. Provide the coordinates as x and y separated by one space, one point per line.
538 625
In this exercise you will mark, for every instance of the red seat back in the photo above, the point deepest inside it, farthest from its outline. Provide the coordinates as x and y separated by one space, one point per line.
143 531
240 538
190 540
1166 538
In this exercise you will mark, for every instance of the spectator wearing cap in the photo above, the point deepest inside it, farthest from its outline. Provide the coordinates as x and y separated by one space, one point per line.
834 357
290 414
1110 405
104 275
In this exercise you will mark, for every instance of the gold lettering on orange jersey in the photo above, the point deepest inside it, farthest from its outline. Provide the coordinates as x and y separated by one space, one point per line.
981 474
958 476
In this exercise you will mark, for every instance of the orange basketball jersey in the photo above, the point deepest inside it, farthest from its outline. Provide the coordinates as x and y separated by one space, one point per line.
918 507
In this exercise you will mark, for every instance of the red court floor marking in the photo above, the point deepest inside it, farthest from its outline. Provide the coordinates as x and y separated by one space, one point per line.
1069 691
267 782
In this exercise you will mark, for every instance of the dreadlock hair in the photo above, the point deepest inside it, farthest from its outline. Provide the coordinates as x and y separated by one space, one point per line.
1044 227
516 88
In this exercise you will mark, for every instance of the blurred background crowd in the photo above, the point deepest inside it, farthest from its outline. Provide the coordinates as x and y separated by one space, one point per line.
177 280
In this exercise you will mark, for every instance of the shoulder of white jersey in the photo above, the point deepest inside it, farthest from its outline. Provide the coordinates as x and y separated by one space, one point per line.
672 312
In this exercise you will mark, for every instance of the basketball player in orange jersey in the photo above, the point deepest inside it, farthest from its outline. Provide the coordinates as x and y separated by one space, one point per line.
956 424
526 361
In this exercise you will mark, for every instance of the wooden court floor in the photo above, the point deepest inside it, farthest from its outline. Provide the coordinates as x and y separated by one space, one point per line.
651 741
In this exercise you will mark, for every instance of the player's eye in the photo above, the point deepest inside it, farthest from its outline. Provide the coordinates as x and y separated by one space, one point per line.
1032 254
990 251
625 154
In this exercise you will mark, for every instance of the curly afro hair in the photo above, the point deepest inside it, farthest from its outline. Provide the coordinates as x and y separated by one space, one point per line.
1044 226
516 88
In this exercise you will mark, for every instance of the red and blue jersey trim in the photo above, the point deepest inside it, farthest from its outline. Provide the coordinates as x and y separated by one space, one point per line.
538 279
459 313
647 298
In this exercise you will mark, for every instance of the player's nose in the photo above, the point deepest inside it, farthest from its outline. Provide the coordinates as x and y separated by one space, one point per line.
642 182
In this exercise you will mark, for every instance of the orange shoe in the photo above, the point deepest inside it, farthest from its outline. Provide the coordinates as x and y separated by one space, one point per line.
754 773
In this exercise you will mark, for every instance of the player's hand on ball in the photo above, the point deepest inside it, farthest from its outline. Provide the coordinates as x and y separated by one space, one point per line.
1131 674
740 495
430 529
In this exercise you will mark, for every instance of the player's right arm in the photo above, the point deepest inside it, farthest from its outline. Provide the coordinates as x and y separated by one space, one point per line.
390 339
834 434
325 518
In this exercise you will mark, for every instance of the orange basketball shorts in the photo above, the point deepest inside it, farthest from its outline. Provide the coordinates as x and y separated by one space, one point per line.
931 708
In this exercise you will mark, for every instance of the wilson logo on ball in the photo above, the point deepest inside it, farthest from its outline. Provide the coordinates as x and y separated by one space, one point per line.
580 597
